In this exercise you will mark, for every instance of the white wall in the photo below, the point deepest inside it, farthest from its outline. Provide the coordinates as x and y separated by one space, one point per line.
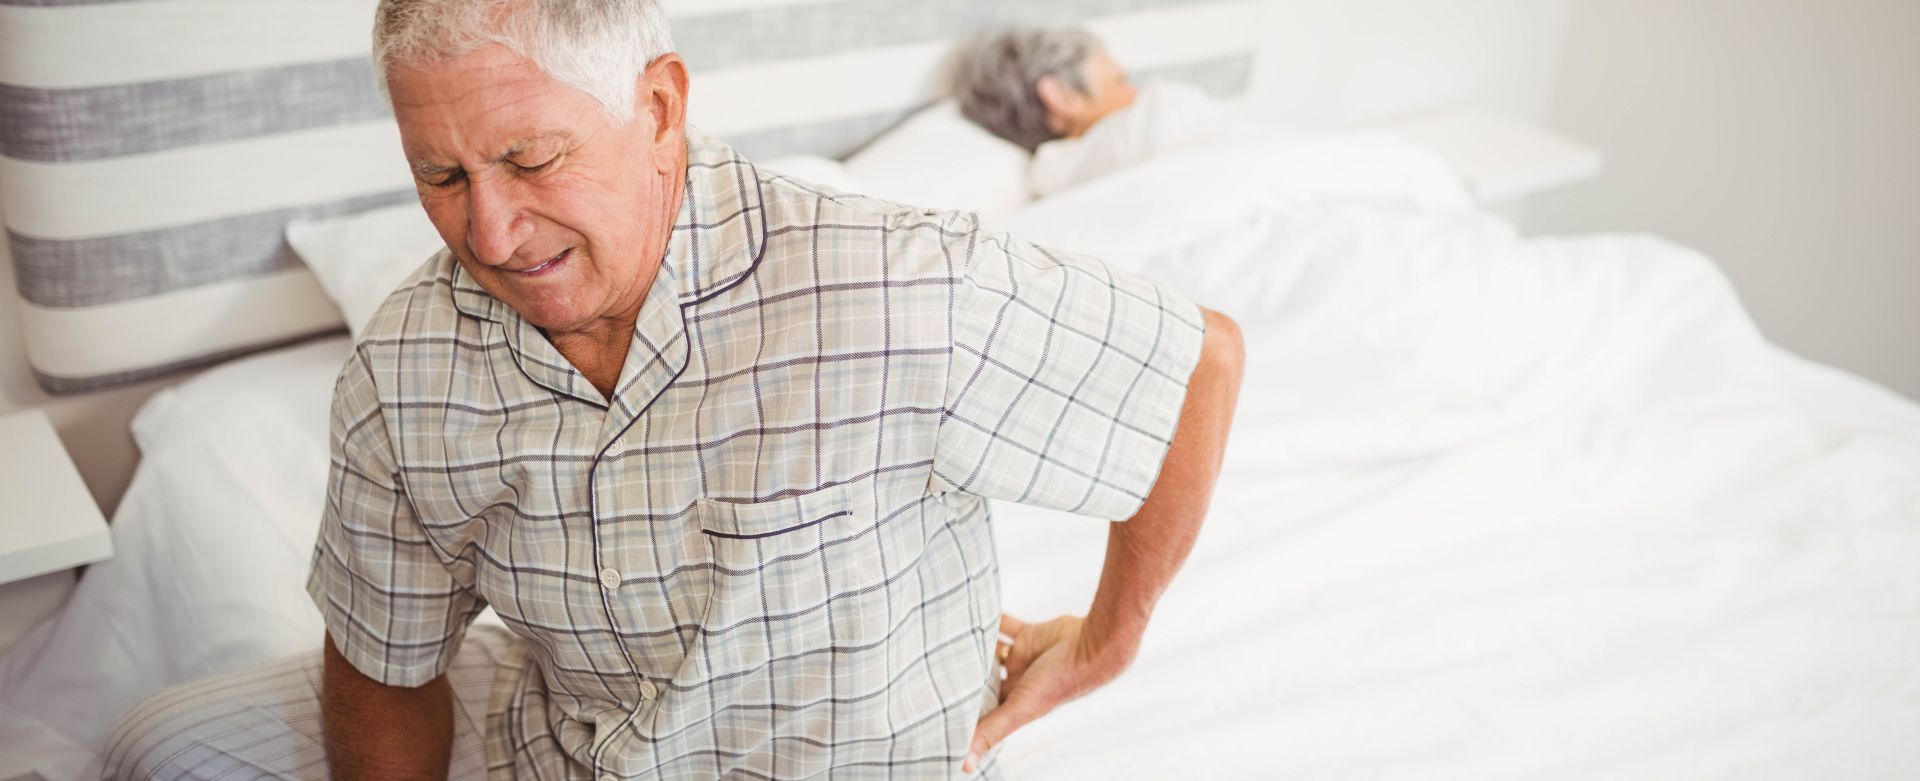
1780 137
1350 61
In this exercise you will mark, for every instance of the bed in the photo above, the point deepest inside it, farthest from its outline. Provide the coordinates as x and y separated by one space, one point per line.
1494 507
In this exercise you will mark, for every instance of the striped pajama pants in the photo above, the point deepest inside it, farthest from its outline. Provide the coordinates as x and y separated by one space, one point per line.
265 722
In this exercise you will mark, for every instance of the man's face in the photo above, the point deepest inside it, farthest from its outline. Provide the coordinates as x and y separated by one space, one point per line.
554 208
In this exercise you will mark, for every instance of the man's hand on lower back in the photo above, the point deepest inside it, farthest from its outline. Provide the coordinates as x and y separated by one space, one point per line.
1048 663
1053 662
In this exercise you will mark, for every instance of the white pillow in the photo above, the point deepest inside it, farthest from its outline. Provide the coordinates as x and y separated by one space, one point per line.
812 169
939 159
1165 116
361 257
1185 196
284 384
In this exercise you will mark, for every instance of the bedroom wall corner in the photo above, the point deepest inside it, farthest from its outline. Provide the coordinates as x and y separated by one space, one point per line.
1775 137
94 427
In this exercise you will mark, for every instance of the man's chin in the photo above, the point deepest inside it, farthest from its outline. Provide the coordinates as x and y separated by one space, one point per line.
555 326
549 316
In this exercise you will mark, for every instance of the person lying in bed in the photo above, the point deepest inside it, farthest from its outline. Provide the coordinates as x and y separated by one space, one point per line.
1058 93
716 449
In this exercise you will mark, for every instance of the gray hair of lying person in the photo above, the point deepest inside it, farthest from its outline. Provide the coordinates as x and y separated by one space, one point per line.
596 46
995 80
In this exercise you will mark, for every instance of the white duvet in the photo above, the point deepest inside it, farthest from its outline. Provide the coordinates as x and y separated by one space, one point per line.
1493 508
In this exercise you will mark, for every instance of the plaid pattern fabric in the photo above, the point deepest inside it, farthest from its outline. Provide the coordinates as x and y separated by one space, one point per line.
265 722
768 554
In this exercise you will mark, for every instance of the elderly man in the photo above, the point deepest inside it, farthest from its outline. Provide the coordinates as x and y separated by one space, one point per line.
714 446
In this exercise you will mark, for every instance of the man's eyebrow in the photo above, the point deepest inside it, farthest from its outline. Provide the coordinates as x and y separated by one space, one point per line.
425 167
524 144
528 142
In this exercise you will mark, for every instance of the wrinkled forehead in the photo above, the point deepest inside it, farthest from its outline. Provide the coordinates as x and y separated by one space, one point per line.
485 76
484 102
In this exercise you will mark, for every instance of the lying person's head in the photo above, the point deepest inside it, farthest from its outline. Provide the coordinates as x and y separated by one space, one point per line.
1033 86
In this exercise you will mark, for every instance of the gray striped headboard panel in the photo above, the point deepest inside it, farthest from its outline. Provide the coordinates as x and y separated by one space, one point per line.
152 151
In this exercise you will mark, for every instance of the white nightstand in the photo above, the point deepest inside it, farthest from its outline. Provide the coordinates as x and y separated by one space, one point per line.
48 523
1501 159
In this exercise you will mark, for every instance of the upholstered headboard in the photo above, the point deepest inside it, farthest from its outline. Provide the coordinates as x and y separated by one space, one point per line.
151 151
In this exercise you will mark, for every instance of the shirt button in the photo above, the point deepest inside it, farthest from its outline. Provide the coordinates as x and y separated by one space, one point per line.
610 578
648 690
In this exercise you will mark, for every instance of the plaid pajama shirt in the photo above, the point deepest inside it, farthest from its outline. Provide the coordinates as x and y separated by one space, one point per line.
768 554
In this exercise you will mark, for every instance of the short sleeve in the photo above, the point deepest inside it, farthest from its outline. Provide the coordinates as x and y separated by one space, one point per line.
389 600
1066 379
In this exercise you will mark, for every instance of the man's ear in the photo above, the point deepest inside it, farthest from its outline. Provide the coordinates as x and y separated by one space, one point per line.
661 91
1058 99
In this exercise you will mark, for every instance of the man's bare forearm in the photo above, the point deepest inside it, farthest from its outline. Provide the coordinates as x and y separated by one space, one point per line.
376 731
1144 552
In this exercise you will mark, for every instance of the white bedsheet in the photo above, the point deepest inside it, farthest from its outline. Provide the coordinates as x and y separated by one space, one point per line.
211 542
1493 509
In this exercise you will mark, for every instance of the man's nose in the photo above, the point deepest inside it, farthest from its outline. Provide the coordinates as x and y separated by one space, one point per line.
496 227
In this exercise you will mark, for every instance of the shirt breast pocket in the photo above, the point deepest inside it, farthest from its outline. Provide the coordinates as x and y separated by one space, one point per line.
789 579
726 522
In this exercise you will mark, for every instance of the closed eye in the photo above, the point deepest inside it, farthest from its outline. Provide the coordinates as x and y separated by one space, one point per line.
535 168
441 178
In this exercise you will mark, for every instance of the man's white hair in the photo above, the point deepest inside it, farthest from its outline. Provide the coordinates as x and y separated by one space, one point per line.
596 46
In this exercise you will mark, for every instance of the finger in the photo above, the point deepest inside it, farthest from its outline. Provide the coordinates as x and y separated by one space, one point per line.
1009 682
1010 626
1016 710
1024 652
1019 658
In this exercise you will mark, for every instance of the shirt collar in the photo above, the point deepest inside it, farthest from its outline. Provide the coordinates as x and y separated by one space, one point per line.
718 236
